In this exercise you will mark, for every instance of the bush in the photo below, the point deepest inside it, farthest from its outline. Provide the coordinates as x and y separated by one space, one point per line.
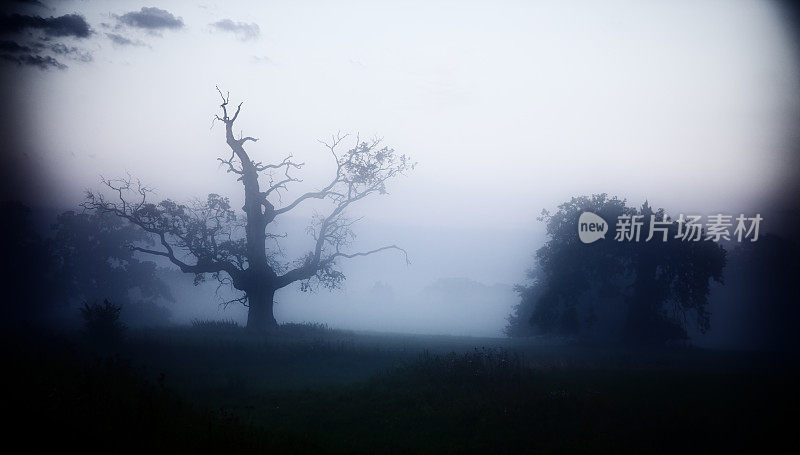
101 322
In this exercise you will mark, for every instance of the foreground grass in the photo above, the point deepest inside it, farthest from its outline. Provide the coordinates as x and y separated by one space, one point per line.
319 390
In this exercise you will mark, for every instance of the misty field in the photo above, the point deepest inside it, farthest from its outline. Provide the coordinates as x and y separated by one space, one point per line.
308 388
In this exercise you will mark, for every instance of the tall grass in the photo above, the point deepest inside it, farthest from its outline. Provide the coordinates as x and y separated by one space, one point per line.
218 325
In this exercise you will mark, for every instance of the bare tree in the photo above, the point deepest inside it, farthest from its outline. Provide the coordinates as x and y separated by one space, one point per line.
208 237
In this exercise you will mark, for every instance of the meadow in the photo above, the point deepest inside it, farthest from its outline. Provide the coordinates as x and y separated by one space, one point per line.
307 388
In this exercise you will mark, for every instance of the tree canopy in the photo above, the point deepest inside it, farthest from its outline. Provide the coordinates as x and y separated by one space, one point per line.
640 292
83 259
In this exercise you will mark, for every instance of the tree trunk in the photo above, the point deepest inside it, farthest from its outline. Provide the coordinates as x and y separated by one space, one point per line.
259 315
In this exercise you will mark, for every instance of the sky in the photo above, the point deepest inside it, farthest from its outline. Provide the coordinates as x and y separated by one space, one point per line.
509 107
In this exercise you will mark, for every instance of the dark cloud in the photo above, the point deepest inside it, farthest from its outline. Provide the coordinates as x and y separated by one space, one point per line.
242 30
32 38
120 40
30 54
71 52
67 25
152 19
43 62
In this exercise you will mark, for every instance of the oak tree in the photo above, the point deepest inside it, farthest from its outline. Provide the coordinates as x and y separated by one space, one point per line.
210 238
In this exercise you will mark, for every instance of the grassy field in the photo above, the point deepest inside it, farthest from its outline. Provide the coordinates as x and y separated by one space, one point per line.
304 388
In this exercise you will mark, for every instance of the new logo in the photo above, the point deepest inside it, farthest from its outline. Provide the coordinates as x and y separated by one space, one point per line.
591 227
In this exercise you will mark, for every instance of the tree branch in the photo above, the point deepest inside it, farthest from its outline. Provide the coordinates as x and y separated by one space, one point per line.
189 232
367 253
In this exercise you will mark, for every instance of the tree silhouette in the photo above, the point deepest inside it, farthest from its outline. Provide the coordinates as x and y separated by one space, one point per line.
206 237
653 286
90 263
83 260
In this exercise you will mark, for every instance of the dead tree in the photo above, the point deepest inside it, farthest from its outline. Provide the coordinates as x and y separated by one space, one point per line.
210 238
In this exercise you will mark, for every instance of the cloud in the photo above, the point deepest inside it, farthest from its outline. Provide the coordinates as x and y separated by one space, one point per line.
67 25
262 60
39 61
32 39
120 40
242 30
31 54
151 19
357 63
71 52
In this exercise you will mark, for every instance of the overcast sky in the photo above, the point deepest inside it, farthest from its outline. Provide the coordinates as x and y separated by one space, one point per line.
508 107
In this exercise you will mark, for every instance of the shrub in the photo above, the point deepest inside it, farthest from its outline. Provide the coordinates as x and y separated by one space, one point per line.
101 322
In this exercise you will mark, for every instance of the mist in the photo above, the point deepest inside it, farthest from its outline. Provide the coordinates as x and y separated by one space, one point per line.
223 217
507 111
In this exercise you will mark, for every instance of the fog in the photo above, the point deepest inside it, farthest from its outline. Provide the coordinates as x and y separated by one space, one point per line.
507 108
445 289
400 226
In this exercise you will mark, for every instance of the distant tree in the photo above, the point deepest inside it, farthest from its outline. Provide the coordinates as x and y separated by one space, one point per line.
83 260
206 237
660 284
92 263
